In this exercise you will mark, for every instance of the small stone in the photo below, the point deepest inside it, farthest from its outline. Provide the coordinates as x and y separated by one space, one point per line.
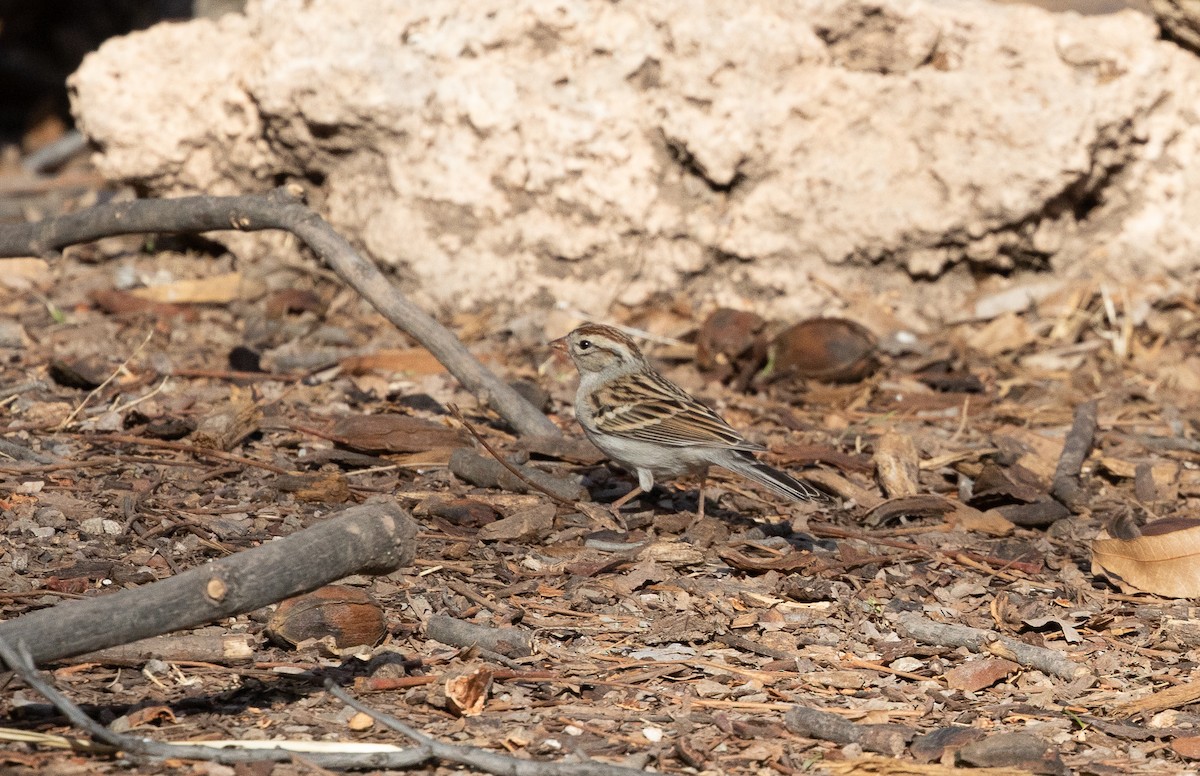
155 666
50 516
11 334
909 664
93 526
360 722
975 675
21 525
707 688
527 524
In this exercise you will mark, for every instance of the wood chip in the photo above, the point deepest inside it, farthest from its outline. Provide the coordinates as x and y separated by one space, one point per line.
897 465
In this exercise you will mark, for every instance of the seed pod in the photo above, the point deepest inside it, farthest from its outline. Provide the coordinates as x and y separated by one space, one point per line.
730 344
352 617
834 350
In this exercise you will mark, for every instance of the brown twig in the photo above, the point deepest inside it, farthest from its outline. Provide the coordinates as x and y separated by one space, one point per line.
468 592
112 376
18 659
281 209
91 463
738 642
481 759
183 447
230 374
997 565
1049 661
501 460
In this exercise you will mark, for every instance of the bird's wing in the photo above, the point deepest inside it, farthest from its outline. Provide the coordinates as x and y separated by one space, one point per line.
648 408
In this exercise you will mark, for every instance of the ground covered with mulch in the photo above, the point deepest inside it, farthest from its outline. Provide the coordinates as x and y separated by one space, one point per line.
148 432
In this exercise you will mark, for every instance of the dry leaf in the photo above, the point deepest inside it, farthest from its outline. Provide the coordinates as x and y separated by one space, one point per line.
975 675
1163 472
150 714
1034 451
360 722
997 486
116 302
293 300
897 464
924 506
533 523
1164 559
218 289
467 692
1070 634
229 424
86 372
991 522
793 561
24 274
1005 334
417 361
330 488
1188 747
391 433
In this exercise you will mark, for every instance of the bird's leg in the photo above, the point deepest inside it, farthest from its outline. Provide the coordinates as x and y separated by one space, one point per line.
700 508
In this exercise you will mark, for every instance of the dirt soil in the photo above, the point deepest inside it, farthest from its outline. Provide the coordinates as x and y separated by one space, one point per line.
657 641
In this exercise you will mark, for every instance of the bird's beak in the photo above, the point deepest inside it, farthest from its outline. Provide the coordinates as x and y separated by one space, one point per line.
559 344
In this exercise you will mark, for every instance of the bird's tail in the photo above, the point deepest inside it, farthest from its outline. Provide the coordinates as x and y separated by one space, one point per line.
773 479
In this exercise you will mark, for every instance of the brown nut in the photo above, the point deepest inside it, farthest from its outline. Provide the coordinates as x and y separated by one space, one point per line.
351 616
729 341
835 350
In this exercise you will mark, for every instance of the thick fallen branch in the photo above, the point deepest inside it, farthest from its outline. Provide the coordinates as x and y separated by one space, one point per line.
373 538
281 210
1049 661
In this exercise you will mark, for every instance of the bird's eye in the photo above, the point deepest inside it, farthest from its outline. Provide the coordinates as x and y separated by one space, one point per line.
585 344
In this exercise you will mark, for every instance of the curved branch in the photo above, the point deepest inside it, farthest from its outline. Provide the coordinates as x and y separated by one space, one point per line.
281 210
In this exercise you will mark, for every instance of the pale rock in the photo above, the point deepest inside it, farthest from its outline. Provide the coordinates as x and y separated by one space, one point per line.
510 152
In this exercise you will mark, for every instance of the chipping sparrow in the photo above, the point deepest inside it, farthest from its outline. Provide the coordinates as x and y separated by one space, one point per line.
652 427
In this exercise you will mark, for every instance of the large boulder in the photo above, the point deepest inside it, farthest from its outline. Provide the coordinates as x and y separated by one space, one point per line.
513 151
